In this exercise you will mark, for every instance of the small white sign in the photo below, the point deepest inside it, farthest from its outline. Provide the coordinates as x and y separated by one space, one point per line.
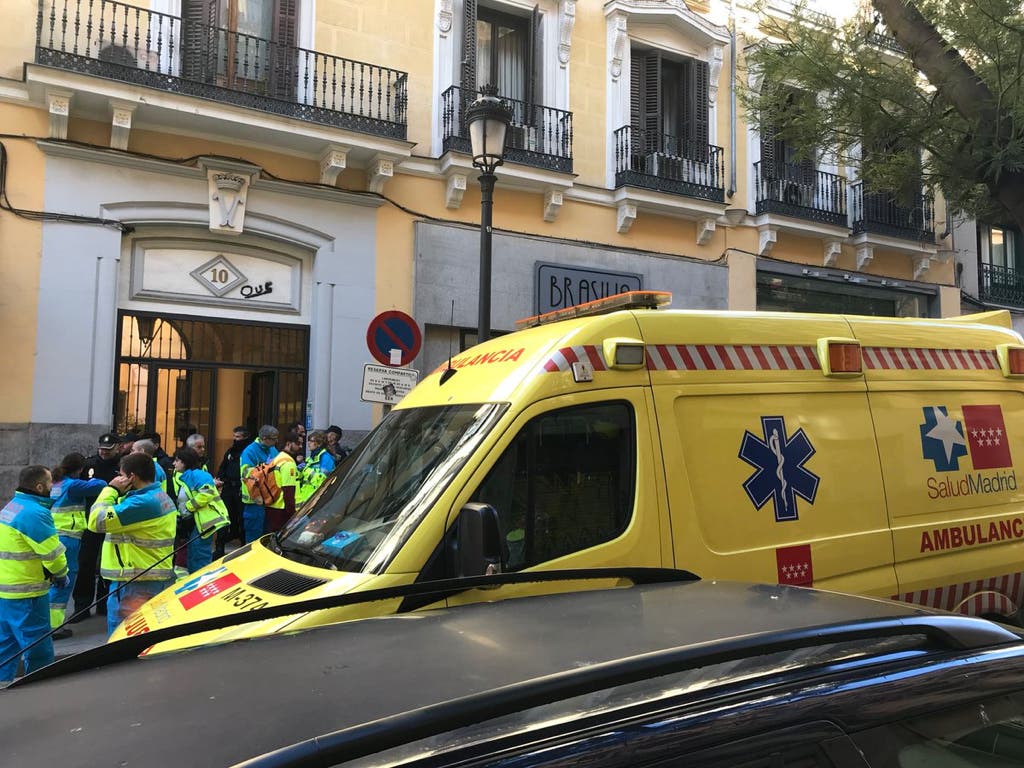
382 384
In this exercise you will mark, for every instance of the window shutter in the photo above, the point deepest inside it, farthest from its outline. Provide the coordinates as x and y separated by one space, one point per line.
652 120
468 83
696 110
199 22
284 57
772 153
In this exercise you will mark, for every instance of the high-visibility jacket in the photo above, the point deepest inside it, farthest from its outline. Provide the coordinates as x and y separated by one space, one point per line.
203 501
69 499
28 545
287 472
139 528
317 468
172 480
161 476
255 453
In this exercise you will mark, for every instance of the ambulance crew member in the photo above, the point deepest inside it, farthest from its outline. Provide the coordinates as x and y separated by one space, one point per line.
261 451
287 473
319 465
31 556
139 520
70 495
199 504
148 447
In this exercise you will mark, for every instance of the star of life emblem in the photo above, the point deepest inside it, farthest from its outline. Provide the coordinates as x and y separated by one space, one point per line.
780 474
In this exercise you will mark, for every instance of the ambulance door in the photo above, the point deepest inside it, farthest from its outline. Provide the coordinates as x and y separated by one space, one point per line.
775 480
576 484
949 428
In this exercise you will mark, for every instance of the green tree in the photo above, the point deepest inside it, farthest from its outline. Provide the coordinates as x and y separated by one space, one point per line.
935 99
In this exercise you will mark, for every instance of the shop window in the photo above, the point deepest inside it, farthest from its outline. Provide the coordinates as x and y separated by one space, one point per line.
566 483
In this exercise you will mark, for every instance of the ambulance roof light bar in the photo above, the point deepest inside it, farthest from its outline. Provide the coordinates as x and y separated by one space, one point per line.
627 300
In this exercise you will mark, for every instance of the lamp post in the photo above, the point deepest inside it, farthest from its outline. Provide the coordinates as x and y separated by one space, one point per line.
488 119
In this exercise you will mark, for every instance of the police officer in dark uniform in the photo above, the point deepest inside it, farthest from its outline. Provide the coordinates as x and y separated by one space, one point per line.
104 464
229 482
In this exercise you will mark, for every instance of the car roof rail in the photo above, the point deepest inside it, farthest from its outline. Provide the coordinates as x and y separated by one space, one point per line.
130 647
950 632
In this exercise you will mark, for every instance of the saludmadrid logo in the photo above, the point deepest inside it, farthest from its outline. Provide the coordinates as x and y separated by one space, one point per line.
981 433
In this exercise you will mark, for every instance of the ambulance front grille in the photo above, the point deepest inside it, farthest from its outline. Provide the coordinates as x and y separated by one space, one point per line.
282 582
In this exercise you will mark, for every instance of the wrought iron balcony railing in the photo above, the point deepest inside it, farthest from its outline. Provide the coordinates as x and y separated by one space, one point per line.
539 136
135 45
886 213
1001 285
888 42
794 190
669 164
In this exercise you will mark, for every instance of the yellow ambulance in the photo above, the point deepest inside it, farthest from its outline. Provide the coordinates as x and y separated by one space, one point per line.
862 454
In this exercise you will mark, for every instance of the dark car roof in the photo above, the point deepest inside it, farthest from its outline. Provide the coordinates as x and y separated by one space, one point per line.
222 704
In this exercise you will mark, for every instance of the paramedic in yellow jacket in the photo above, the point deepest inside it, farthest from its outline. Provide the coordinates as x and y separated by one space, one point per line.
287 473
319 464
139 521
199 506
31 556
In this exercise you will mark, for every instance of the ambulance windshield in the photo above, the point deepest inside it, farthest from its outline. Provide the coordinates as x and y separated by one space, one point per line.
370 505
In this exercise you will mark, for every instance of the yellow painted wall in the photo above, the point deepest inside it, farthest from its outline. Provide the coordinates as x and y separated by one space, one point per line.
17 36
392 33
588 94
20 254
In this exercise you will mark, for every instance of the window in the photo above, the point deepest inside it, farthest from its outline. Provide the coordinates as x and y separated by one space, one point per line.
1003 245
502 50
669 104
241 44
565 483
988 734
780 158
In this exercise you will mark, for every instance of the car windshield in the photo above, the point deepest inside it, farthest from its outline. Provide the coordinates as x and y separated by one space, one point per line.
370 505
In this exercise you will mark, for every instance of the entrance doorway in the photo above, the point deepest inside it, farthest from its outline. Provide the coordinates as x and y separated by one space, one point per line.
178 375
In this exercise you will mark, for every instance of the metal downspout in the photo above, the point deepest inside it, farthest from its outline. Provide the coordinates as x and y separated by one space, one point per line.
732 99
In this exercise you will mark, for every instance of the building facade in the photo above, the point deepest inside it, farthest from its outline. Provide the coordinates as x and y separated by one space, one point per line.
207 201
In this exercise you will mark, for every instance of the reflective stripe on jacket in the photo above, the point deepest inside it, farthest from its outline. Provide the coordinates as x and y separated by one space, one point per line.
69 497
318 467
140 530
28 545
204 502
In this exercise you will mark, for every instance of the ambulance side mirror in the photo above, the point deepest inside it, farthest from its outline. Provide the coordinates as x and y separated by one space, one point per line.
478 541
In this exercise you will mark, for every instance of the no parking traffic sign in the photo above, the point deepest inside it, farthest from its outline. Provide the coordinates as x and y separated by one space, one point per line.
393 330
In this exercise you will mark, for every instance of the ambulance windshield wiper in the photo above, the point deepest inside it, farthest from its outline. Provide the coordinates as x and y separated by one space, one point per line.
305 555
130 647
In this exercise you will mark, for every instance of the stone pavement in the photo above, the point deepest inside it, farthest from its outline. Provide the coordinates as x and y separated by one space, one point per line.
89 633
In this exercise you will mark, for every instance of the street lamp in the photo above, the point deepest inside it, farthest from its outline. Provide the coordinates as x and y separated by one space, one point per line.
488 119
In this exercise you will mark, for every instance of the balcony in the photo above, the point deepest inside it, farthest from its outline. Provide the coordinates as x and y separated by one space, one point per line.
1001 285
538 136
667 163
792 190
883 213
134 45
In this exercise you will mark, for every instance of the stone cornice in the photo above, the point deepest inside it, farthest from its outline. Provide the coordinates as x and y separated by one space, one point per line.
167 168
